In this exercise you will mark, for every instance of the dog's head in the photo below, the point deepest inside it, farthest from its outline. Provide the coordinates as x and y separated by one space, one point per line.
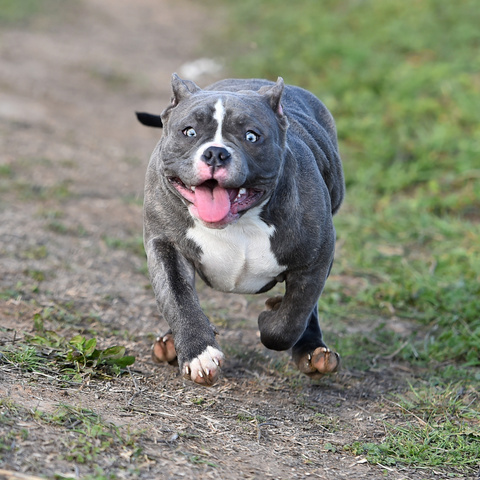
221 151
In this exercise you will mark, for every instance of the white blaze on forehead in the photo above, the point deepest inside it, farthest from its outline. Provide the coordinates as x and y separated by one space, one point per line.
218 116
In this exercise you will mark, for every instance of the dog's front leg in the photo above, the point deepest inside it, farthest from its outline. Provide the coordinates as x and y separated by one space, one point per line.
286 318
173 281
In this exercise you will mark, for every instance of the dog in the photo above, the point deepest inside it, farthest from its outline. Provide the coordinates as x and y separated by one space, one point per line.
241 189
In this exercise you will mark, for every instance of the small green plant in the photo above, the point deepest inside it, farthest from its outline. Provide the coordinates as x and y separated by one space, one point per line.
73 358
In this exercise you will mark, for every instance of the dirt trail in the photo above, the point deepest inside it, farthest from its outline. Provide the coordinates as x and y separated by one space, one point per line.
74 159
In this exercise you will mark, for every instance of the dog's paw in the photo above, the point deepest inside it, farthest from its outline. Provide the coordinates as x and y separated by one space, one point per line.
163 350
319 363
205 368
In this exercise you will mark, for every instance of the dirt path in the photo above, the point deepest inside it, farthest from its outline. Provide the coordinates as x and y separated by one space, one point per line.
72 164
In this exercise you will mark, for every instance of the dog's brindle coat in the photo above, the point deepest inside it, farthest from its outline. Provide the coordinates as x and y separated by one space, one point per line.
241 188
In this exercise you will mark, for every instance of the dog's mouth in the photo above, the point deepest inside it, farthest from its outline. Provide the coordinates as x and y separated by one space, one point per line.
214 204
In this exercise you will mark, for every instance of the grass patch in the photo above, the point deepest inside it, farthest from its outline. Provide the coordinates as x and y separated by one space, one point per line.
82 434
13 11
439 430
6 171
62 358
23 11
400 79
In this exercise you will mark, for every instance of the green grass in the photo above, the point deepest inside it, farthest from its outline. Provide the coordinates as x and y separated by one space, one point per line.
64 359
18 10
21 11
82 434
439 430
401 79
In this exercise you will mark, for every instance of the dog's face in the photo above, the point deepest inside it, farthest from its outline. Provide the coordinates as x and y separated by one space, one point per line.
222 152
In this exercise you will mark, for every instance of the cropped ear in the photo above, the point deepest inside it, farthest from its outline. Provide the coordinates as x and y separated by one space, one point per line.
273 95
182 89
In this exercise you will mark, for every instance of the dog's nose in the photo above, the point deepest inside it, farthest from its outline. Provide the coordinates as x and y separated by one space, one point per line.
216 156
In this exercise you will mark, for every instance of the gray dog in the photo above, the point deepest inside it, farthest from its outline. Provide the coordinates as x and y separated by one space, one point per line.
241 189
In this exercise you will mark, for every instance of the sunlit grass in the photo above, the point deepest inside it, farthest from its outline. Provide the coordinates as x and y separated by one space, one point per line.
401 79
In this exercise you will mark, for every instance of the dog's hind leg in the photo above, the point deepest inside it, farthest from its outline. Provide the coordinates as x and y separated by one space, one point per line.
163 350
310 353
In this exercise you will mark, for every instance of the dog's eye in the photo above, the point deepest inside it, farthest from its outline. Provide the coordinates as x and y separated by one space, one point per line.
189 132
251 136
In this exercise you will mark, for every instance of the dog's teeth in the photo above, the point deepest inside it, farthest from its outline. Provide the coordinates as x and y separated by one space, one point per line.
216 361
242 191
192 189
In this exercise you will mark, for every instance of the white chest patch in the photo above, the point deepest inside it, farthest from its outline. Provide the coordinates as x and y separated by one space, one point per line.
237 258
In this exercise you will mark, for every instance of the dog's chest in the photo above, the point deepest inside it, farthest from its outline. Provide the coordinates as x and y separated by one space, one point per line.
237 258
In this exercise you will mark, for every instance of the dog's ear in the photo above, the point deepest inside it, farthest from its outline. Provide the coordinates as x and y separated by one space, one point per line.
149 120
273 95
182 89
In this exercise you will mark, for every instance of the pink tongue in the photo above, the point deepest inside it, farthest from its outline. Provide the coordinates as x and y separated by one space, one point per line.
212 205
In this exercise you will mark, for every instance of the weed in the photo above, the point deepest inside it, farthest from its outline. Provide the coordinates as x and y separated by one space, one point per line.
72 359
23 356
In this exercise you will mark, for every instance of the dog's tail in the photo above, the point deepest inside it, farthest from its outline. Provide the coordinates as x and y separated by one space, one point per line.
149 120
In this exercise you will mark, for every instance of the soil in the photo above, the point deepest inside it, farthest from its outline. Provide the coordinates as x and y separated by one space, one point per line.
74 159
